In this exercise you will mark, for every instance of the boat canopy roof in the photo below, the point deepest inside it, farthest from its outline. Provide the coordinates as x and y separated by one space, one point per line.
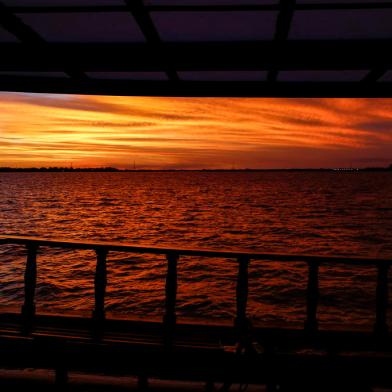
247 48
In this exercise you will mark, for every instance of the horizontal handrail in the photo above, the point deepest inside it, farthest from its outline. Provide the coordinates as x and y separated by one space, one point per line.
210 253
243 258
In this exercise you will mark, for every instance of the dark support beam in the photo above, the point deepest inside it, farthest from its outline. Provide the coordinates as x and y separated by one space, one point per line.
100 282
203 7
197 89
283 24
146 25
241 321
333 5
169 318
30 282
312 296
381 325
284 20
28 36
261 55
15 26
136 7
374 75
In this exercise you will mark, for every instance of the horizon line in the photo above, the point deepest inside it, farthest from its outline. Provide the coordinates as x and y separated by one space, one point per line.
115 169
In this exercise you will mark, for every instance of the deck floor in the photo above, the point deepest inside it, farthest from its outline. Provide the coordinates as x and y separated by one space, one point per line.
11 380
125 349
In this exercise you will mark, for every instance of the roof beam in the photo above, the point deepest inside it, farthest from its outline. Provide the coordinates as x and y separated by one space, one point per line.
283 24
197 89
204 7
374 75
136 7
16 27
262 55
335 5
28 36
284 20
142 17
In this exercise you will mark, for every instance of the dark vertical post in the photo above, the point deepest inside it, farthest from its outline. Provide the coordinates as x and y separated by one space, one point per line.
142 382
169 319
100 289
241 322
312 296
30 282
60 362
61 377
381 325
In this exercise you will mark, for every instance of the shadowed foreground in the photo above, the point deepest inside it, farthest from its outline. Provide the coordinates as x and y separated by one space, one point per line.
11 380
280 358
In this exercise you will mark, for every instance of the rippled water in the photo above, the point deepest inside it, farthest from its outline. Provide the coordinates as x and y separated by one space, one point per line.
308 212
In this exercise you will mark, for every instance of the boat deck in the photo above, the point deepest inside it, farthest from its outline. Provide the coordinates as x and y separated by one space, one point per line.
278 357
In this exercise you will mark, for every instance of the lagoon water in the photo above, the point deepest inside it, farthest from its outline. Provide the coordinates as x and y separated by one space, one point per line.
333 213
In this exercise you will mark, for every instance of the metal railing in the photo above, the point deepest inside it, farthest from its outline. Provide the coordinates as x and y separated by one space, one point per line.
243 258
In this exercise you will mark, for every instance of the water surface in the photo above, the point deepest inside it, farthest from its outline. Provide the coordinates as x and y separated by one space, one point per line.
333 213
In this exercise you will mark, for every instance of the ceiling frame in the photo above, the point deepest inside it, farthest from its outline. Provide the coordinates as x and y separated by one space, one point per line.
34 54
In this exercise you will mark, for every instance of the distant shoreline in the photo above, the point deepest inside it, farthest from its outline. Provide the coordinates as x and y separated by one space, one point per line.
115 170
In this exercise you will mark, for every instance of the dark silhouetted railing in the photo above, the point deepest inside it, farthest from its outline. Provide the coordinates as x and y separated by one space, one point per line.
172 256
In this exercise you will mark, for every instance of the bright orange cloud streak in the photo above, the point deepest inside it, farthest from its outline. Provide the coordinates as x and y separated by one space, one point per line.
43 130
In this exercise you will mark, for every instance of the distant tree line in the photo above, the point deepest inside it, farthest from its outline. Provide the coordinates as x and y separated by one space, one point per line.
114 169
58 169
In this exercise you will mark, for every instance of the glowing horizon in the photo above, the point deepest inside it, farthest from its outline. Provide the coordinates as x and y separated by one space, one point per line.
193 133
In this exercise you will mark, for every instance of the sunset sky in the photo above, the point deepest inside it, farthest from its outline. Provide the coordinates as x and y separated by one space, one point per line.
60 130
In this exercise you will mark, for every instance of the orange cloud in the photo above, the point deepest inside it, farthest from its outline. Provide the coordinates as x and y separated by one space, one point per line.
46 130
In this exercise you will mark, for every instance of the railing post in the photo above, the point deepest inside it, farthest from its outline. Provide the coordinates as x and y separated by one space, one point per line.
241 322
381 325
30 282
61 377
100 281
169 318
312 296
